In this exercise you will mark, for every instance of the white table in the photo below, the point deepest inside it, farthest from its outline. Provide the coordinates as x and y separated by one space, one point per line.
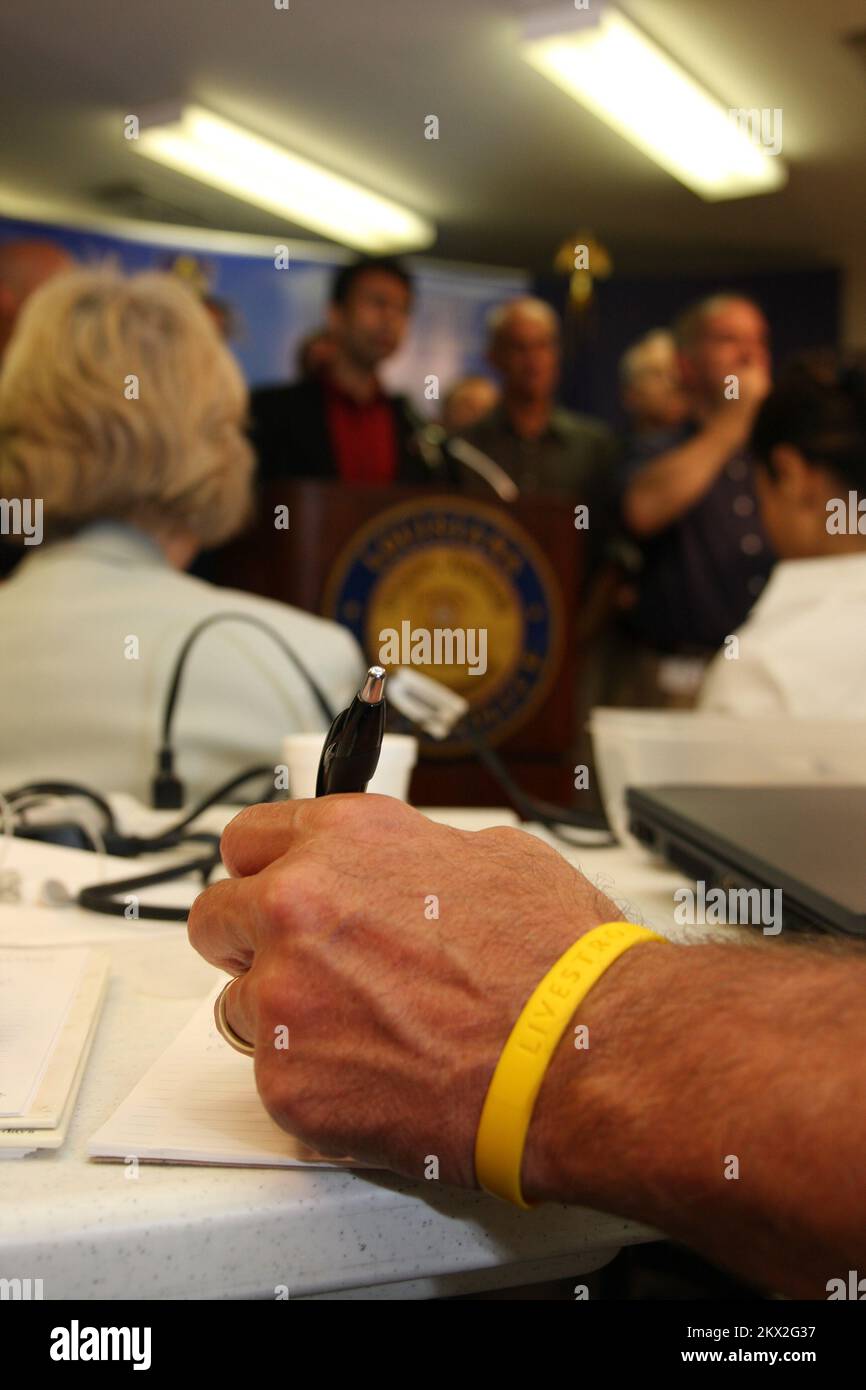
91 1230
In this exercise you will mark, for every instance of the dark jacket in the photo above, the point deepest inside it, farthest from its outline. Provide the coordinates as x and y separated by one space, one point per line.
290 436
702 572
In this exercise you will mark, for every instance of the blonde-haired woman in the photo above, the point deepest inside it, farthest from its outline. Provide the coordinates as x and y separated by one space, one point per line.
122 444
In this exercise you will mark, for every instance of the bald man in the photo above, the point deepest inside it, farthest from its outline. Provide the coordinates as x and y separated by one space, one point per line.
543 447
24 266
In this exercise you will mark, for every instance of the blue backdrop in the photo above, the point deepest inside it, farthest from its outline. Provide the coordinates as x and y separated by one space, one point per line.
273 309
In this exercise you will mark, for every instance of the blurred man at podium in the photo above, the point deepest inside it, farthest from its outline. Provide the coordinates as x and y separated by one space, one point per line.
339 424
542 446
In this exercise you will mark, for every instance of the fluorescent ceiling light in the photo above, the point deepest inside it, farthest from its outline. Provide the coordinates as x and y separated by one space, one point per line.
607 64
217 152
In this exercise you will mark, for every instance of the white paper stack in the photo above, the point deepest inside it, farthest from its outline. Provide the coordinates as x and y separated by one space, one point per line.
198 1104
50 1000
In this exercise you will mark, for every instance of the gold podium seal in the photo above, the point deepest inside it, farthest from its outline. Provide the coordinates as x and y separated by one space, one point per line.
459 590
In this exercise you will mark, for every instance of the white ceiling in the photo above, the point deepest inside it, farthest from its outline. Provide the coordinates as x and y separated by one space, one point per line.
518 166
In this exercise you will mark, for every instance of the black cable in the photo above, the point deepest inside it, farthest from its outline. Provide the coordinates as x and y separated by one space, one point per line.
103 897
166 839
534 809
201 627
262 770
167 788
129 846
64 789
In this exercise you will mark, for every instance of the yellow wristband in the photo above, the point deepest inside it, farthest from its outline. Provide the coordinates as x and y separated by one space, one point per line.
532 1042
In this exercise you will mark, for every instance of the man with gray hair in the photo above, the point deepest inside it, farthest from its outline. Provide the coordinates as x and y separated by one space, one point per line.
651 387
543 447
689 500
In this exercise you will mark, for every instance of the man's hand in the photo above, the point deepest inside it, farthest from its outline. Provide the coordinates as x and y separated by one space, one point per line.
397 1016
736 416
398 953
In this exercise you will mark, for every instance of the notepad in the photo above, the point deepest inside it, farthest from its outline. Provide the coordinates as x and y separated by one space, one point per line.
198 1103
50 1001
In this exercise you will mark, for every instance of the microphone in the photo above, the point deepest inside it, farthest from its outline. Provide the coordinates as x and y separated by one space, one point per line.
434 444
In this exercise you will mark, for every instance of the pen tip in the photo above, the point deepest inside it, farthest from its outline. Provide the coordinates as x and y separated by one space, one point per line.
373 689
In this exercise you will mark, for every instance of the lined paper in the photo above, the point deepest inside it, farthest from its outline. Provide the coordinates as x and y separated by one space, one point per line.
198 1104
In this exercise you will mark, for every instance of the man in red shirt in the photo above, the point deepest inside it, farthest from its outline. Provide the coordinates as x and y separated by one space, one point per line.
341 424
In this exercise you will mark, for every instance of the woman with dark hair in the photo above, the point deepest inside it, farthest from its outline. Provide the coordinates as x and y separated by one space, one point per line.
802 650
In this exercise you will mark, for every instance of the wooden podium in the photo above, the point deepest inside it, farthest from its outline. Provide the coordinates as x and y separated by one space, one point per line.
302 564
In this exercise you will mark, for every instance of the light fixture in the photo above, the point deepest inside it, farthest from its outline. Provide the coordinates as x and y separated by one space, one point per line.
619 74
215 151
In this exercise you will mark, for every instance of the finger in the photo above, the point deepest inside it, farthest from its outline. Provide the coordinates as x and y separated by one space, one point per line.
239 1004
222 925
260 834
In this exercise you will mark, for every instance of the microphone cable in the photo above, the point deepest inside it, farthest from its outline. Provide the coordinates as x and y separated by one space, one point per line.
167 790
533 808
108 897
431 708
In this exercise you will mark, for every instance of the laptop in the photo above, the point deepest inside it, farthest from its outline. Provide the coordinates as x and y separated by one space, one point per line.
808 842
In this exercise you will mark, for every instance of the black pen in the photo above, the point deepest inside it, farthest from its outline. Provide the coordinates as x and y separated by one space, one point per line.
354 741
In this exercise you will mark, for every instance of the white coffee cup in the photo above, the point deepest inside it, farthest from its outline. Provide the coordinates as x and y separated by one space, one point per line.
301 754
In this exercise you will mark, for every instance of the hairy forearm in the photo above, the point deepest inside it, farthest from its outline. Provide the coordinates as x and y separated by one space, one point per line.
721 1100
672 483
